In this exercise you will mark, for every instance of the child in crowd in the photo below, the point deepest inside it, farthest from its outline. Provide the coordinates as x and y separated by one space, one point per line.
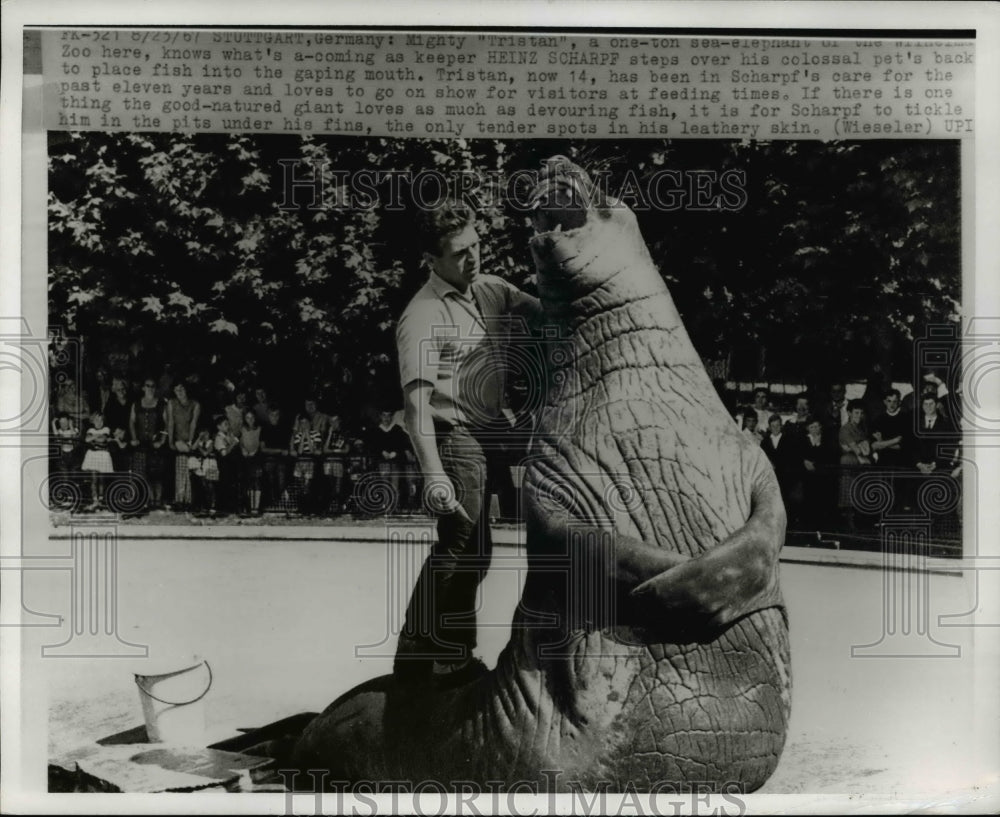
225 444
250 463
204 472
335 450
66 438
97 460
357 467
305 445
119 449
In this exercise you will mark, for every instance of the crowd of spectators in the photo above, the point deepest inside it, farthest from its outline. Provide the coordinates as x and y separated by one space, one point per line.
229 449
820 450
223 450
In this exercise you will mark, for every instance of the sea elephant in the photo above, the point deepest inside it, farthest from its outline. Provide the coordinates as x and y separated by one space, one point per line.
649 650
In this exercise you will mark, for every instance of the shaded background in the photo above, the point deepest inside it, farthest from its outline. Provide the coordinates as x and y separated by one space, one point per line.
182 249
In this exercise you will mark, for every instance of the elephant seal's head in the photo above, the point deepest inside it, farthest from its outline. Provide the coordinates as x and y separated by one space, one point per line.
584 239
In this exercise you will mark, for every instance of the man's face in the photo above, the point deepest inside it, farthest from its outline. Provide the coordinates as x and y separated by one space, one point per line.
856 415
310 407
760 399
891 402
802 407
814 428
273 416
837 393
458 261
929 405
775 426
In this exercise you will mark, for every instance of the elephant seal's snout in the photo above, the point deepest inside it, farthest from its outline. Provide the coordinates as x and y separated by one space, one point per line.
561 198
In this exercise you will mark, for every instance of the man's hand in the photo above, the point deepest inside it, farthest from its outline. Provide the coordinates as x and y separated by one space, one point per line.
439 494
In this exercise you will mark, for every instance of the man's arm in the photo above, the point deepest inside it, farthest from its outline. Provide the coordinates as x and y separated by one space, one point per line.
878 443
526 306
420 426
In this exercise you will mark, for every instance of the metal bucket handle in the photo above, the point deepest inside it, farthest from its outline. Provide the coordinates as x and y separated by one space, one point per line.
178 703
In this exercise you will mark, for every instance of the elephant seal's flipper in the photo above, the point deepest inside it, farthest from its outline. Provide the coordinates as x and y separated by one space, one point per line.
737 577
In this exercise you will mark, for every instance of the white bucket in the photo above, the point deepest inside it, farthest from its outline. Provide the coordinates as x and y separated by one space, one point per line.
173 703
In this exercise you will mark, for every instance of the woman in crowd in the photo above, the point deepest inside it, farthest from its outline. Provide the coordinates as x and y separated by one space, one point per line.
117 407
100 390
235 408
148 430
261 405
855 449
73 402
182 423
387 443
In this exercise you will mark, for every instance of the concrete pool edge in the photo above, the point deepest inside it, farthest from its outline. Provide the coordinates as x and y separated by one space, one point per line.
509 536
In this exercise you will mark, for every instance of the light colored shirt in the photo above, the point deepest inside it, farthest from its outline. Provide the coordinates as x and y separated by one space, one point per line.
457 342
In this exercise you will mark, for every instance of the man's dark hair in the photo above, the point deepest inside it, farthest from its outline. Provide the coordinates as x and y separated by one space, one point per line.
433 224
855 404
891 392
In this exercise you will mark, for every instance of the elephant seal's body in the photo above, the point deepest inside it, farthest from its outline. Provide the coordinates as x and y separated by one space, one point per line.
650 646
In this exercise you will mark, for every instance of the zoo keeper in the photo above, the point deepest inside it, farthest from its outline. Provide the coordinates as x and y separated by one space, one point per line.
451 341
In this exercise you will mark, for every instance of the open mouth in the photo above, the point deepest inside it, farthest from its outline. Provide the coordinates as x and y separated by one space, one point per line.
559 201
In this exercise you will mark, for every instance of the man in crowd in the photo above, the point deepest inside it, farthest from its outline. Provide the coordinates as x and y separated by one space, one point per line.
785 453
450 341
796 427
891 432
836 413
274 436
819 460
763 408
935 448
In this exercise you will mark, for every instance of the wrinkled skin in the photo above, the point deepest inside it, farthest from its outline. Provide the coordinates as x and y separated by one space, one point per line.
650 645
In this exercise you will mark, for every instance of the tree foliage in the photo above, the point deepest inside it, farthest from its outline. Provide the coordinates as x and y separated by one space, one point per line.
196 250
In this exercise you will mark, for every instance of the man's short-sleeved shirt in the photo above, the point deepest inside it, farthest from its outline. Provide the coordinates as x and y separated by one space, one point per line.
456 342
